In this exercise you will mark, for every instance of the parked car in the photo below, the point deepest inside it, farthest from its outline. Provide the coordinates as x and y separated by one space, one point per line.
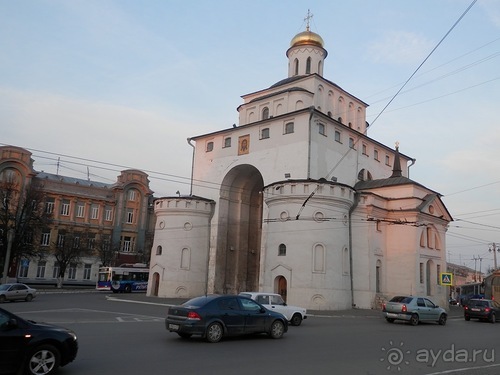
274 302
482 309
33 348
413 310
215 316
16 292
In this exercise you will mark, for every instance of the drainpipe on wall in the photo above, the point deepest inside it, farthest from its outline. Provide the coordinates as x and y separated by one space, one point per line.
311 111
192 167
351 210
413 161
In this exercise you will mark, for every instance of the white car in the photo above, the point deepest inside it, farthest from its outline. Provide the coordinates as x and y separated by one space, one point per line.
274 302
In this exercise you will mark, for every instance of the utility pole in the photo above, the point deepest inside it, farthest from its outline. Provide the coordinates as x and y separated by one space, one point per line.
493 247
475 267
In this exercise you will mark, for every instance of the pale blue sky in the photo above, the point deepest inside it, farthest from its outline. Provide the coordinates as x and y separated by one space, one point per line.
127 82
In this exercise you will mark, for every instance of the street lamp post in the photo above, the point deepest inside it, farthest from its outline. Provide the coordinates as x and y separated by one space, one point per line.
10 238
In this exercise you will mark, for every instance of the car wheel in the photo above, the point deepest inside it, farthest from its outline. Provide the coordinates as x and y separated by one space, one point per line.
390 320
467 317
296 319
214 332
184 335
277 329
414 320
442 319
43 360
128 288
29 298
492 318
2 299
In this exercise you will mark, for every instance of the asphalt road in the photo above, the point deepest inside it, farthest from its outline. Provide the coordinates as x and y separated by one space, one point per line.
125 334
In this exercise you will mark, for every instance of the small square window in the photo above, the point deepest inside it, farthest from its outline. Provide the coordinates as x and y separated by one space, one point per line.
264 133
210 146
227 142
289 128
321 129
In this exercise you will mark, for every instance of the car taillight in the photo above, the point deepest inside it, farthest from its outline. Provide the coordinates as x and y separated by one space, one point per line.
487 309
466 307
193 315
404 308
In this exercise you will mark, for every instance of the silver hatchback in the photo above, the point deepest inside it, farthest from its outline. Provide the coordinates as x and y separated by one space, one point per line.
414 310
16 292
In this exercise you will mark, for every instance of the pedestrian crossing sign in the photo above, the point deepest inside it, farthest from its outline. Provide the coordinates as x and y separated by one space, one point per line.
446 278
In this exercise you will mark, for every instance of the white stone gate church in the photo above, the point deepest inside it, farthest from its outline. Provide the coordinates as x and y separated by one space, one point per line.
297 199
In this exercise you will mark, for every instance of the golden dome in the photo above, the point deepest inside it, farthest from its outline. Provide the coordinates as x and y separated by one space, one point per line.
305 38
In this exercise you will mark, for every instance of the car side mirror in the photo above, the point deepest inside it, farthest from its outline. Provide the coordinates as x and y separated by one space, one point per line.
10 324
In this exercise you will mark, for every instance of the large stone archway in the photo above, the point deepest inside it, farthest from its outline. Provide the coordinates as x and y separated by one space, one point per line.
239 231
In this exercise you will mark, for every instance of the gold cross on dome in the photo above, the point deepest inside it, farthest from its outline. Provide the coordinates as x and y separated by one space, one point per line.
308 19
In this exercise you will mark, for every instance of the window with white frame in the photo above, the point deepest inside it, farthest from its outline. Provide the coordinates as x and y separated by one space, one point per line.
265 113
49 206
72 271
132 195
80 210
127 244
65 208
108 214
24 267
130 216
87 271
227 142
55 270
40 269
45 239
60 239
94 214
375 154
289 128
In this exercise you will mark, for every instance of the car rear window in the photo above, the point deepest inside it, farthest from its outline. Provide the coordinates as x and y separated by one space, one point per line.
401 299
478 303
196 302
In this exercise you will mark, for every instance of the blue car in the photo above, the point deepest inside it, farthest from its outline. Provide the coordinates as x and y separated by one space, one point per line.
216 316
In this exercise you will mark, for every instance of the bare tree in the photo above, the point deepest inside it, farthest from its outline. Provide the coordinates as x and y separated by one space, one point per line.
106 249
68 249
22 211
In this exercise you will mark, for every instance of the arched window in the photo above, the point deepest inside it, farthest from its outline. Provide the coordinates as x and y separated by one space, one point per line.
282 249
265 113
308 65
319 258
158 250
296 67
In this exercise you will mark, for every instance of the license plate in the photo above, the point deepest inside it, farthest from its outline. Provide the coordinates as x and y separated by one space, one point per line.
392 315
474 309
173 327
